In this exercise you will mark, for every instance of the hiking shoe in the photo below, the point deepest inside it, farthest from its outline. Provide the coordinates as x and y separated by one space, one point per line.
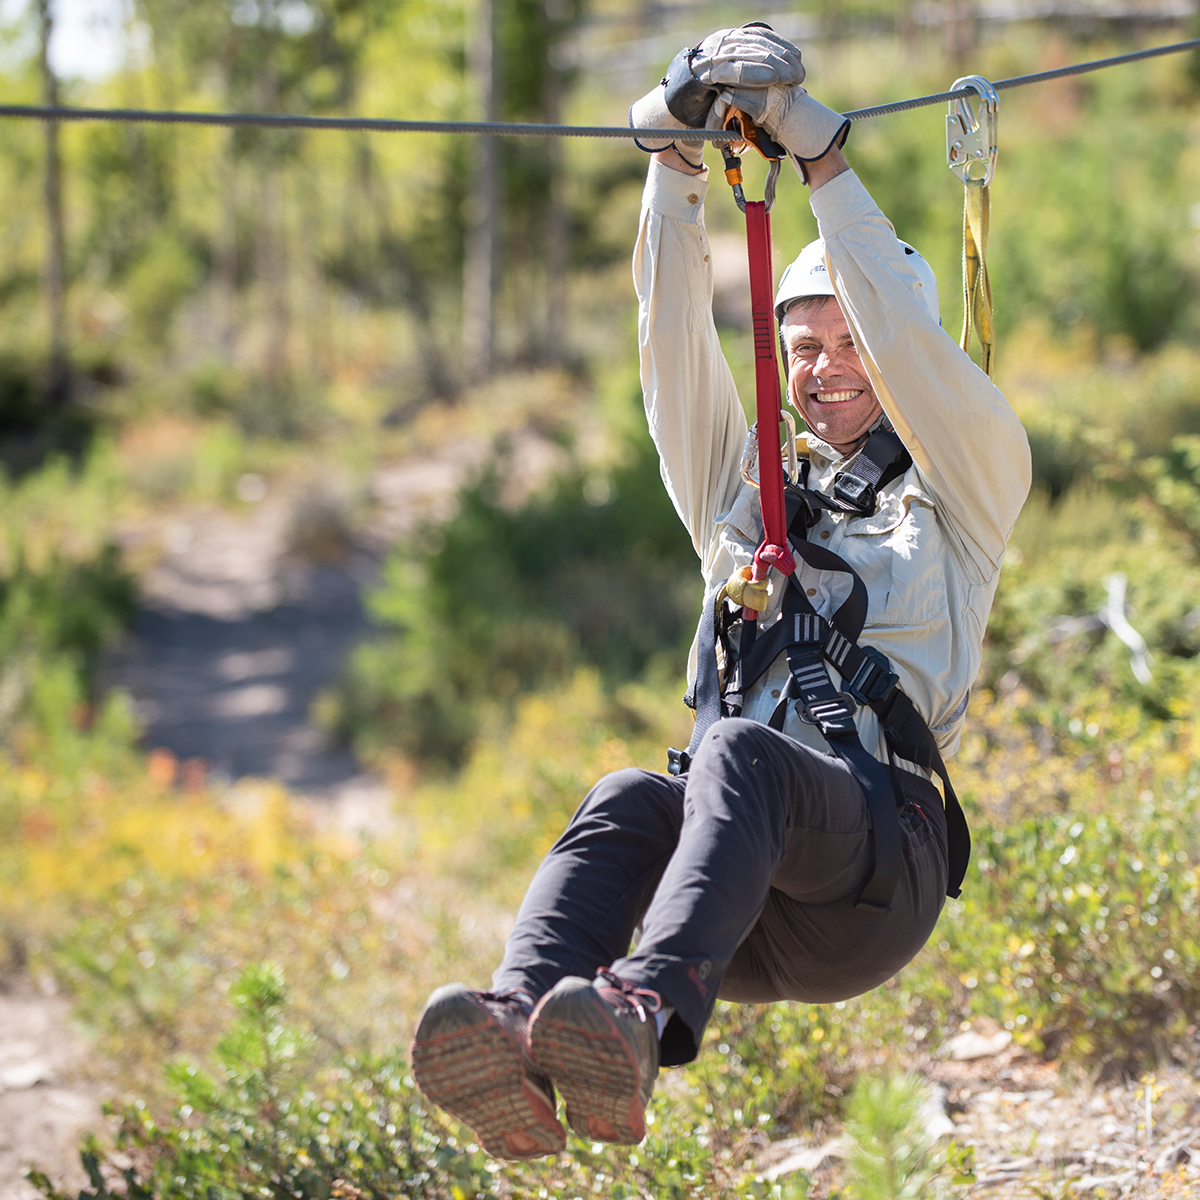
471 1057
599 1043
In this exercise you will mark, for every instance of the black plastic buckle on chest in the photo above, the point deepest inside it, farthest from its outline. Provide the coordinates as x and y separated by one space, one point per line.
858 493
874 680
831 711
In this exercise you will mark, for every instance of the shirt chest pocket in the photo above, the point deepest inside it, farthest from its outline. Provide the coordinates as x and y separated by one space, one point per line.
900 555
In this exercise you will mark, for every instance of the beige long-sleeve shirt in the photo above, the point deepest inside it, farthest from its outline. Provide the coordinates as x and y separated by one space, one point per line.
930 556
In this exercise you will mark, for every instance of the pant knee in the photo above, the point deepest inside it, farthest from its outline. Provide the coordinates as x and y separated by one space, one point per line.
628 798
734 733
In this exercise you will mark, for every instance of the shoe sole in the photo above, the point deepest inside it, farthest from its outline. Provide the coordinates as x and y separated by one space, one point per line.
468 1064
577 1041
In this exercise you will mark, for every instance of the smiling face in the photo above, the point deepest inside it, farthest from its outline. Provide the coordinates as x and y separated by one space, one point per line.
826 379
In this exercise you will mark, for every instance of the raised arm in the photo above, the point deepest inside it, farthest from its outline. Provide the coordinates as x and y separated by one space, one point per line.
691 402
966 442
964 438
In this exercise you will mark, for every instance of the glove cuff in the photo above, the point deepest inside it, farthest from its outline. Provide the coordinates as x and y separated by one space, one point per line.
810 130
692 153
687 99
651 112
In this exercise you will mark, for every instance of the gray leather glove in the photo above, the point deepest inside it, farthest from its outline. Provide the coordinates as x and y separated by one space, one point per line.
651 112
753 56
803 126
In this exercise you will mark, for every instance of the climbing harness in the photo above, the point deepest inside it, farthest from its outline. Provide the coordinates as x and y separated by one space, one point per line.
971 149
810 642
789 509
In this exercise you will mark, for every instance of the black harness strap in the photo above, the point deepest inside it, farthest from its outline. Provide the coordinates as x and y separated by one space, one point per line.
868 679
882 458
856 489
833 713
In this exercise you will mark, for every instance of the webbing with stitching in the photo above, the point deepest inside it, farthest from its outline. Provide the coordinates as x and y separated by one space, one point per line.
977 288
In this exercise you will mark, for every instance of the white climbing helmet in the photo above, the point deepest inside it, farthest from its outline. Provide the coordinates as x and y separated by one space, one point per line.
808 276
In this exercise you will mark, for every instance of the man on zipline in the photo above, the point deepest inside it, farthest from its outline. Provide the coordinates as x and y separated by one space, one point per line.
804 853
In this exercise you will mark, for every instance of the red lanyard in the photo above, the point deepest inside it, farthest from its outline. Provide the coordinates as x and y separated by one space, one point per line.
774 550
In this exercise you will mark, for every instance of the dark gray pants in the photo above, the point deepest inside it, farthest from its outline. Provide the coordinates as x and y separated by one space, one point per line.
743 875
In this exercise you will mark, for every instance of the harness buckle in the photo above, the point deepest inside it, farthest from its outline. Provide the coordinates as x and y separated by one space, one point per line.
857 492
678 761
874 681
834 717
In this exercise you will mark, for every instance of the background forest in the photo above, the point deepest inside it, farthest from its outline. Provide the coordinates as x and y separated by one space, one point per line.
190 318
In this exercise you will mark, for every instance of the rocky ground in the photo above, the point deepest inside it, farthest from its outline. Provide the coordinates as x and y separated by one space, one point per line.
1040 1133
45 1105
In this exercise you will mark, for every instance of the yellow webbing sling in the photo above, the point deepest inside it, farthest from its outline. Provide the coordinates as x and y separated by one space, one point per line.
971 154
977 288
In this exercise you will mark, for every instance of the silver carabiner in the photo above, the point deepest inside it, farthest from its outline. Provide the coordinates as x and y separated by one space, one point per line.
793 458
751 135
733 164
750 452
971 145
750 456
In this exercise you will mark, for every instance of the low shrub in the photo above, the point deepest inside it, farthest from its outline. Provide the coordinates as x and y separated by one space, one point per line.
502 601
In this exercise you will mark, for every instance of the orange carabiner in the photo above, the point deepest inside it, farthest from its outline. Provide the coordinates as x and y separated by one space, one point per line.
738 122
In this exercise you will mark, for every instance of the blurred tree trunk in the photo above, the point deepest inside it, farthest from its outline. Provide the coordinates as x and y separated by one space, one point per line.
58 386
557 229
226 258
906 29
481 262
960 32
272 250
273 273
226 265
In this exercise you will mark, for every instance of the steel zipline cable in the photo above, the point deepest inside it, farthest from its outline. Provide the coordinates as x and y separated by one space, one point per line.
502 129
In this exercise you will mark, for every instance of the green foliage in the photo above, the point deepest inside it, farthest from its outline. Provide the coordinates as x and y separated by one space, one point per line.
53 622
890 1154
503 600
539 644
359 1128
69 608
1103 962
1044 634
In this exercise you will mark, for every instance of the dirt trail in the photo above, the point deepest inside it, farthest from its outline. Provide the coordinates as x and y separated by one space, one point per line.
44 1108
246 617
